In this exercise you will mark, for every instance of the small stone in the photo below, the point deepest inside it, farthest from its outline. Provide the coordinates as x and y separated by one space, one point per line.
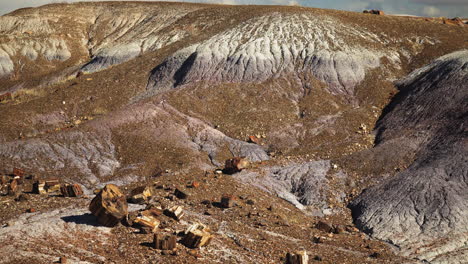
338 229
254 139
228 201
194 253
195 184
129 219
236 164
208 213
181 194
250 202
31 210
63 260
22 197
323 226
317 239
206 202
351 229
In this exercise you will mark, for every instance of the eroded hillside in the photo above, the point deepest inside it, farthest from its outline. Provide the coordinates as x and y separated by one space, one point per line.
166 92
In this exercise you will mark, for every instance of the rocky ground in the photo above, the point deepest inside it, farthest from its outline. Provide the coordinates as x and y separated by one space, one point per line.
354 121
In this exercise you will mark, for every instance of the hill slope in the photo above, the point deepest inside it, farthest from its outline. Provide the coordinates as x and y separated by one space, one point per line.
126 91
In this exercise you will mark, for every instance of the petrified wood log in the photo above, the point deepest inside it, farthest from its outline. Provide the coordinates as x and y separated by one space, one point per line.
141 194
176 212
299 257
71 190
109 205
197 235
147 220
46 186
164 242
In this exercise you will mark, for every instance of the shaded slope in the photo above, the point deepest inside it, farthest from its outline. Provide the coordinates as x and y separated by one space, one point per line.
423 209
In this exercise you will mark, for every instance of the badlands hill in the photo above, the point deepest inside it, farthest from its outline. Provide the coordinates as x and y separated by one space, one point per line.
361 120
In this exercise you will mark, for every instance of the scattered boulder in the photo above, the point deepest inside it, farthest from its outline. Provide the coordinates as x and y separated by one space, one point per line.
197 235
235 165
109 206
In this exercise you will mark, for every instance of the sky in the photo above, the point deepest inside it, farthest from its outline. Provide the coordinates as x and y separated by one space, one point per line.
433 8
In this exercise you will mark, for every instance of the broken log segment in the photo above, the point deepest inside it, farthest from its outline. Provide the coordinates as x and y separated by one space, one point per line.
71 190
197 235
175 212
109 206
46 186
141 194
147 220
299 257
163 242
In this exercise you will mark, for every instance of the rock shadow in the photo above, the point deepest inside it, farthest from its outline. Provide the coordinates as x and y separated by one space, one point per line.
84 219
